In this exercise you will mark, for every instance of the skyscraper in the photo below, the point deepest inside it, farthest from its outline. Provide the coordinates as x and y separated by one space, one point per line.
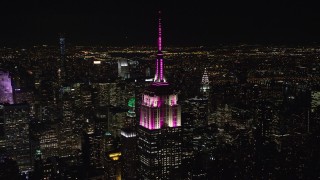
49 141
14 136
62 46
5 88
129 153
205 87
69 141
128 144
123 69
62 65
159 129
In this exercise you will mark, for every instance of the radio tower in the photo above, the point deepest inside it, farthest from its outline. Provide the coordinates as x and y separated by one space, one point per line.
159 77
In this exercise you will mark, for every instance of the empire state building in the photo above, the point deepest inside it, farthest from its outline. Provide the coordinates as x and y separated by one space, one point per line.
159 130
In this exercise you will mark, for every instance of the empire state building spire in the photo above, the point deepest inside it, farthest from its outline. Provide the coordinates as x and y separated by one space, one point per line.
159 133
159 77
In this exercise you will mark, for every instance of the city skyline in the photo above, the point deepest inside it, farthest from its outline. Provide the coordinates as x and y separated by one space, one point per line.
128 23
118 108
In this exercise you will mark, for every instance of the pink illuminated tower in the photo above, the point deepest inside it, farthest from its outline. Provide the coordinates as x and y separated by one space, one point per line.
159 77
6 96
159 130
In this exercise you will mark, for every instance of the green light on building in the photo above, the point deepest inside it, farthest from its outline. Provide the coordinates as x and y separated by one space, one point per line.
131 102
107 134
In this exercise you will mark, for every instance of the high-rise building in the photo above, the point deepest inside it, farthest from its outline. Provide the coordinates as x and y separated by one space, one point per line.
205 87
69 141
159 129
62 63
128 144
6 95
113 165
129 153
48 142
123 69
93 149
109 94
195 122
62 45
14 135
131 114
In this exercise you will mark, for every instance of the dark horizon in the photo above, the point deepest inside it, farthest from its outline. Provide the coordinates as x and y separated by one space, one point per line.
185 24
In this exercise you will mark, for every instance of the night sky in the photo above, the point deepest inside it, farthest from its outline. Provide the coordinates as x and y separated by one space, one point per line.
134 23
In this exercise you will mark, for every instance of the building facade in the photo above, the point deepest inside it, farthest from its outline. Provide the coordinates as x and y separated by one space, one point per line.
14 138
6 95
